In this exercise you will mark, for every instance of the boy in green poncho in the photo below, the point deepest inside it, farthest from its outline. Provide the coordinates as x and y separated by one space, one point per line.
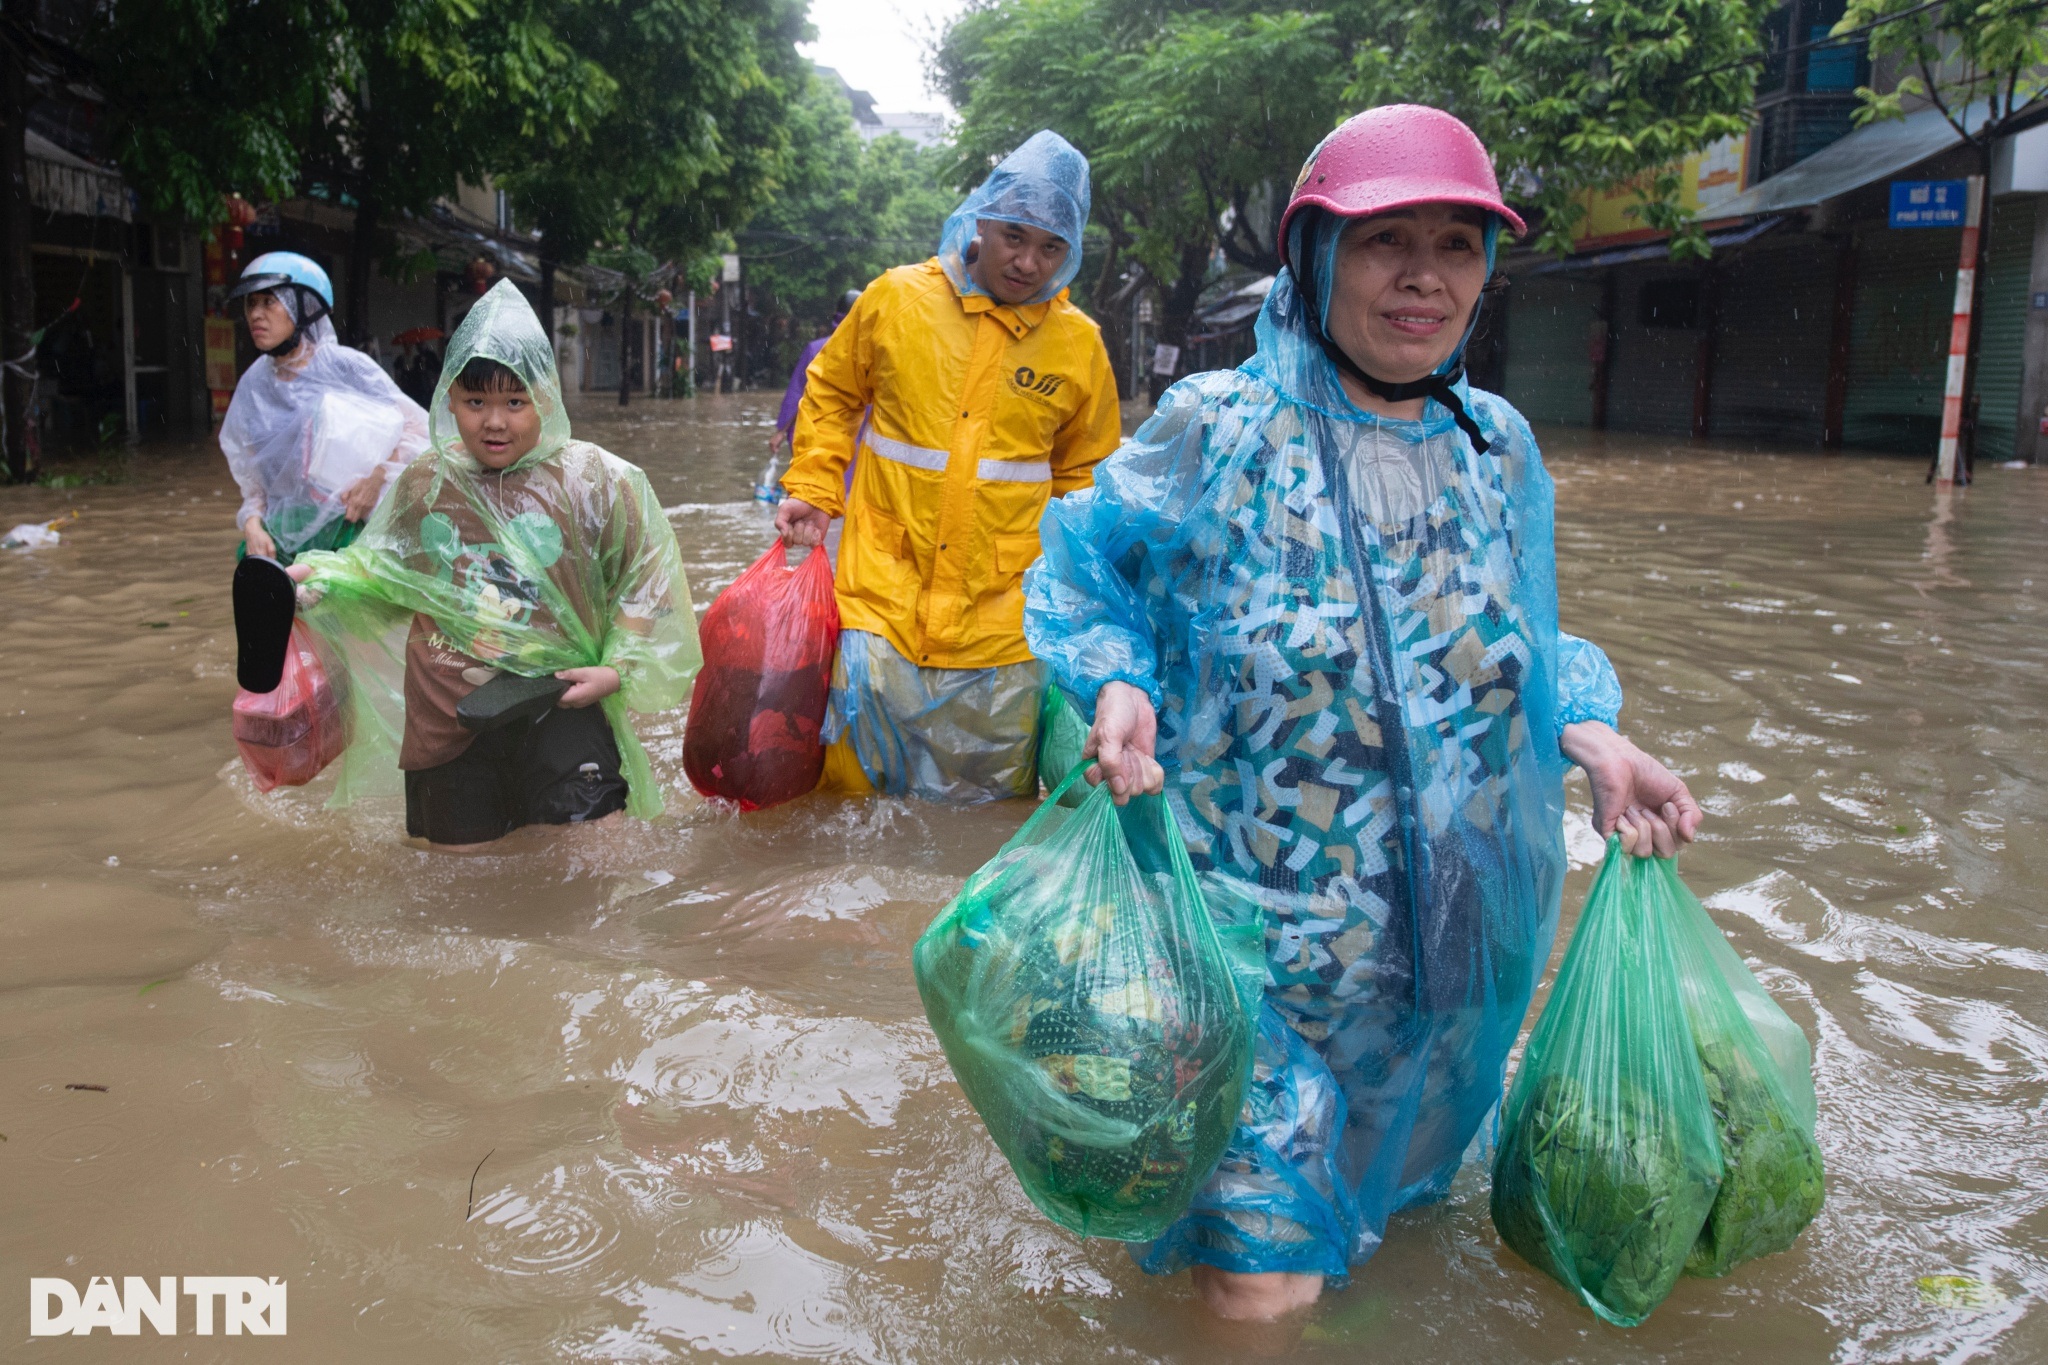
512 549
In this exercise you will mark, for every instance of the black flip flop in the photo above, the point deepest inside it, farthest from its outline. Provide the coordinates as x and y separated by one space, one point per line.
266 600
508 699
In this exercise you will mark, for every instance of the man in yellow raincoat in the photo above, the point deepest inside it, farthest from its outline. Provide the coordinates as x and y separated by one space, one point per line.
972 391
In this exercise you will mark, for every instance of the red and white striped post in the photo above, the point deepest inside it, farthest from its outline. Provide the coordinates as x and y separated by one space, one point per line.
1959 334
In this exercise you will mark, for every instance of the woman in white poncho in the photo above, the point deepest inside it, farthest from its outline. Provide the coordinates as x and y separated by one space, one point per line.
317 431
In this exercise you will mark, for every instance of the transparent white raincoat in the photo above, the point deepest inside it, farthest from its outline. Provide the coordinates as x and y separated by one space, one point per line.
1349 626
302 429
562 560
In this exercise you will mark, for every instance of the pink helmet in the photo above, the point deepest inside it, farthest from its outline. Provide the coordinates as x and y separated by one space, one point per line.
1392 157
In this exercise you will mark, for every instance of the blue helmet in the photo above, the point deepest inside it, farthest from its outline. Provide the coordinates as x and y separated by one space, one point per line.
300 284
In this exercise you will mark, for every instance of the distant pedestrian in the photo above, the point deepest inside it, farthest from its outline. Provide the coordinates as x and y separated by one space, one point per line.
793 396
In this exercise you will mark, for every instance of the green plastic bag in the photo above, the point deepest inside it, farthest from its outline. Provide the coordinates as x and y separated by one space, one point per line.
1609 1160
1601 1171
1090 1009
1061 736
1758 1070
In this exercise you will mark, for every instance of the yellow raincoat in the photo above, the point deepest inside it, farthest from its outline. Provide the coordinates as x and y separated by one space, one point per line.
976 413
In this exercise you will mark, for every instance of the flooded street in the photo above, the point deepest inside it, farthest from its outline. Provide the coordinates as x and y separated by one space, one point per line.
658 1091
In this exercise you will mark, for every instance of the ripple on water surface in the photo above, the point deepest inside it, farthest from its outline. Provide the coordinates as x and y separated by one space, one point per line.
693 1065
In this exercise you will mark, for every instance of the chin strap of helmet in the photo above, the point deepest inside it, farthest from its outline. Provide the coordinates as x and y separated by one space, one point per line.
306 302
285 347
1441 387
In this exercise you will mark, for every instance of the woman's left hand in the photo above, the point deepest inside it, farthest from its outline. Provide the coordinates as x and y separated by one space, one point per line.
359 499
588 685
1633 794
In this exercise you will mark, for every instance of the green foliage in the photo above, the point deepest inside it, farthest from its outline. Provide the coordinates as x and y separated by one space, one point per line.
1574 95
1194 117
186 120
1954 56
689 137
843 212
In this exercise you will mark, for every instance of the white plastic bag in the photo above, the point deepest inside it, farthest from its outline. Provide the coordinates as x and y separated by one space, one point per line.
350 435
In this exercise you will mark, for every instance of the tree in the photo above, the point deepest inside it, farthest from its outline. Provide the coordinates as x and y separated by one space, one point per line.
1575 95
425 94
185 121
844 211
1980 63
1194 117
686 146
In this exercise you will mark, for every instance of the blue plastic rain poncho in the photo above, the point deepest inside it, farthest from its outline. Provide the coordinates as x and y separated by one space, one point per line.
1043 184
1349 625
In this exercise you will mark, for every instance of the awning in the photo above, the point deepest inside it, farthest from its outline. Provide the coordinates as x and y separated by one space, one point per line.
1651 251
61 182
1231 313
1873 152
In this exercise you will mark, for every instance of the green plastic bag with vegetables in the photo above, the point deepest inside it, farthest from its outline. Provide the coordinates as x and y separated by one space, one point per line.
1758 1070
1092 1011
1662 1121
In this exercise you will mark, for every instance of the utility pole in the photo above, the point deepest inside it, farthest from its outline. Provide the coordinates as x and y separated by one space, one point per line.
1961 334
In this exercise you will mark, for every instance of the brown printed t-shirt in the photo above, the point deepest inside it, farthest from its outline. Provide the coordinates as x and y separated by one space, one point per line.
437 677
597 531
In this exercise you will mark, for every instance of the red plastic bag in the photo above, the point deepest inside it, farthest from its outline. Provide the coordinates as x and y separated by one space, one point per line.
288 735
754 733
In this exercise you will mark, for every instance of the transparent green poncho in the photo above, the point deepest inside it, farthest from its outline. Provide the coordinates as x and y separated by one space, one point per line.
562 560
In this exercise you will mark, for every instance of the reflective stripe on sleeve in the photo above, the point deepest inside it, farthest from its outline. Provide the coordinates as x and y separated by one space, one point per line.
902 452
1016 471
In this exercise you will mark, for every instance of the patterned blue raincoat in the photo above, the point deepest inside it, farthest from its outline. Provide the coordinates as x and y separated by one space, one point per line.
1349 626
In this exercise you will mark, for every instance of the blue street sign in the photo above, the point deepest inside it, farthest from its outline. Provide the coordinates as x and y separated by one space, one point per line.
1927 203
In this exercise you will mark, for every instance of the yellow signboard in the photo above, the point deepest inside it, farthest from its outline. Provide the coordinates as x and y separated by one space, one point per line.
1706 179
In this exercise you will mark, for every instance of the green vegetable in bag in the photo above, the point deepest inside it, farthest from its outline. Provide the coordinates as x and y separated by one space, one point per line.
1609 1159
1087 1003
1758 1071
1061 736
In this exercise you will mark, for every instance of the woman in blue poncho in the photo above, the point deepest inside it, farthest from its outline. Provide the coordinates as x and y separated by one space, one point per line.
1315 599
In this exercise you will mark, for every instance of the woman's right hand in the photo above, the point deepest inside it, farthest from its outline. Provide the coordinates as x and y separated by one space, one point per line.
1122 741
257 540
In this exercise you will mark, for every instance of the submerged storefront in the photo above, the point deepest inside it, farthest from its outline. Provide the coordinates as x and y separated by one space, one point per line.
1814 323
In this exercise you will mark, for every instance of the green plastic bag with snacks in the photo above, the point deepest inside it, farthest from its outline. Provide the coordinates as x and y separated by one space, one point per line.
1662 1121
1091 1010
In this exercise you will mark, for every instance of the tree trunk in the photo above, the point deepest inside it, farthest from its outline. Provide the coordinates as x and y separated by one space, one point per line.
625 345
17 276
362 258
1177 308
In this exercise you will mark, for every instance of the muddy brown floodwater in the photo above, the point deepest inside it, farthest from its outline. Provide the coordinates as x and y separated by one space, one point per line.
691 1058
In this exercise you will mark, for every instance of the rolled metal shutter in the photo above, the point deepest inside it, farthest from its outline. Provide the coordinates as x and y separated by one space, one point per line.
1653 370
2002 343
1776 318
1898 340
1549 372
